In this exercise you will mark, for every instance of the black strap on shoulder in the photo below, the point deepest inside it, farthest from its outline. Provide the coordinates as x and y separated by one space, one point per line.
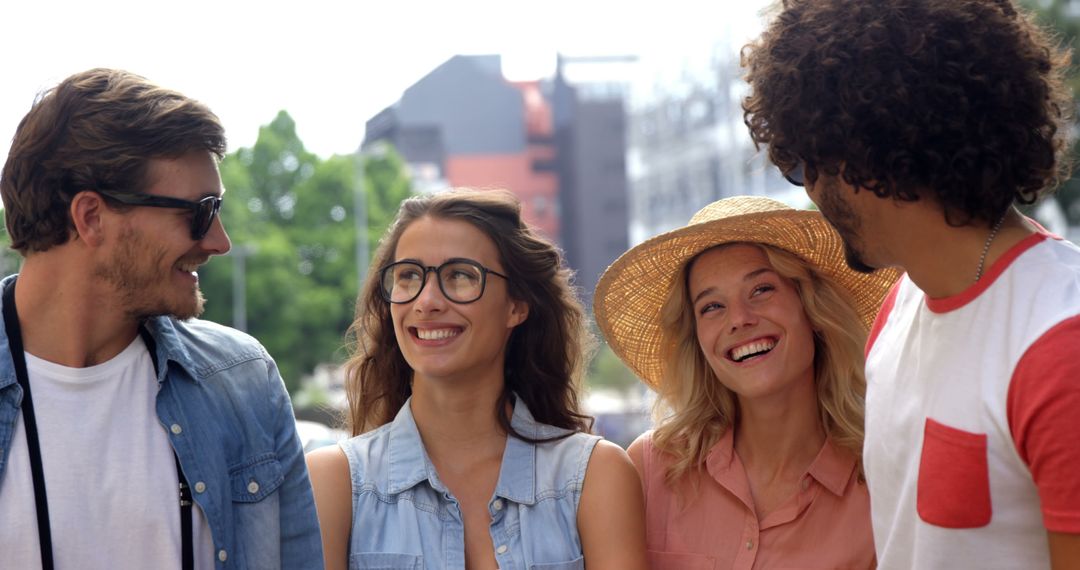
187 556
18 358
33 443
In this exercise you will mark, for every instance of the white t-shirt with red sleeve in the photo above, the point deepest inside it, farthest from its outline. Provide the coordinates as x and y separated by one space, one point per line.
972 447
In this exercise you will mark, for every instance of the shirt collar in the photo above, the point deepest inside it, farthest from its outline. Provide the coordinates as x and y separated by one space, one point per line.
517 476
831 468
407 461
409 464
7 367
718 461
169 347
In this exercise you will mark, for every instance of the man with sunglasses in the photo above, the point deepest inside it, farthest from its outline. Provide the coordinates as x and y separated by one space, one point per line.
133 435
916 126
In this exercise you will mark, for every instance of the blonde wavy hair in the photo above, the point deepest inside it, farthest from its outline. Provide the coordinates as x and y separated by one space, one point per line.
694 409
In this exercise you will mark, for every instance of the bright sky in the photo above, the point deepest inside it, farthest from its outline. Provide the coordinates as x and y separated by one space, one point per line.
330 64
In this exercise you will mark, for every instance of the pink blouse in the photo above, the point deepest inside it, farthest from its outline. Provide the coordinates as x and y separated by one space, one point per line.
825 525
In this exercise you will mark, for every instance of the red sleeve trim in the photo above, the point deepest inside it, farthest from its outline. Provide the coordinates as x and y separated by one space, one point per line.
1043 409
882 316
946 304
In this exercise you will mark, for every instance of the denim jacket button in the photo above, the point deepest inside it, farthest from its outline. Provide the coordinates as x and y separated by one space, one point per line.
222 555
176 429
498 504
501 549
253 487
200 487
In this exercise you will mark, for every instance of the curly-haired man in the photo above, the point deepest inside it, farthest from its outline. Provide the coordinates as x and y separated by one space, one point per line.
916 126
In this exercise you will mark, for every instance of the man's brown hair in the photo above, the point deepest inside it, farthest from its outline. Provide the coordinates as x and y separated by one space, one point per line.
98 129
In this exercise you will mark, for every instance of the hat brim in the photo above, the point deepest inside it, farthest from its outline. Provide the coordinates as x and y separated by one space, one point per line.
632 290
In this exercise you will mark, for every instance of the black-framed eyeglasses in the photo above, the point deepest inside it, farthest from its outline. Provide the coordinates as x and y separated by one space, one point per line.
462 281
203 211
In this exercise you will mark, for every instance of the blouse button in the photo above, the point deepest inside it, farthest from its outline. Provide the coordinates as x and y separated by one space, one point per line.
501 549
750 544
805 483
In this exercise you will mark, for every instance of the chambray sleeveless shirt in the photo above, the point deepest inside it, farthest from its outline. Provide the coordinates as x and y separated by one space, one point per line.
404 517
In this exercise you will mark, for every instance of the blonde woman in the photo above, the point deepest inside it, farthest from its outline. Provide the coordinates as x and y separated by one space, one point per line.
750 327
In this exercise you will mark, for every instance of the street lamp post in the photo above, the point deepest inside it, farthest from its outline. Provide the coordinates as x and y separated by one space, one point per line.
240 253
360 214
376 150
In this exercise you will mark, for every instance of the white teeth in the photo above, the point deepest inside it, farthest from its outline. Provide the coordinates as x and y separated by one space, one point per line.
738 353
435 334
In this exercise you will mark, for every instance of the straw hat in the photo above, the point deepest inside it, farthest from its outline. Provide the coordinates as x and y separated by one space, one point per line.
630 293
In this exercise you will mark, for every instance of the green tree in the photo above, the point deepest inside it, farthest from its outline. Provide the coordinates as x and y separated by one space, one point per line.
607 371
10 260
1063 16
291 219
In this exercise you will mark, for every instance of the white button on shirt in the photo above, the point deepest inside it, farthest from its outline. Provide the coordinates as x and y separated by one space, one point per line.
176 429
253 487
498 504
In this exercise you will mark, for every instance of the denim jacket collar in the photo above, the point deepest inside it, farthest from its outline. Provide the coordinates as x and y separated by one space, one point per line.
409 463
169 347
7 366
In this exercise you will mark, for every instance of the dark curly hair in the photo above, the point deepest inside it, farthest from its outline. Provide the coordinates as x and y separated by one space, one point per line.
961 99
546 354
98 129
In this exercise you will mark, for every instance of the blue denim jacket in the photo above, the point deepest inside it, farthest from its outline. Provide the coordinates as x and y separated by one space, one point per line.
231 423
404 517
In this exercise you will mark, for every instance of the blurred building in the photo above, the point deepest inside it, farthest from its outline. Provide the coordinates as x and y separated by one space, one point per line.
687 144
590 137
557 145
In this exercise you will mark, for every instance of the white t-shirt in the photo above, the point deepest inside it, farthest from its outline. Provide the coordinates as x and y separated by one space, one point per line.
110 475
973 415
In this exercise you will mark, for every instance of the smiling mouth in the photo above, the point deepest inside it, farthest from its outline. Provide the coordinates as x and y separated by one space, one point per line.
752 349
436 334
190 266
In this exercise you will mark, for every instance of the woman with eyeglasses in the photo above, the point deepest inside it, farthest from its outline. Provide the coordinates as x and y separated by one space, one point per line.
469 450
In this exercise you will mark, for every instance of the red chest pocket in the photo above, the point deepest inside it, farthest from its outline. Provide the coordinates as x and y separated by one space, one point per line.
954 479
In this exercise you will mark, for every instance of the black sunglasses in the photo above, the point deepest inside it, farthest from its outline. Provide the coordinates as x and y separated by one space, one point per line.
797 174
203 211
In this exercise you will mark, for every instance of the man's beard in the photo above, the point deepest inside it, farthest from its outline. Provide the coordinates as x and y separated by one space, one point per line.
846 222
143 289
